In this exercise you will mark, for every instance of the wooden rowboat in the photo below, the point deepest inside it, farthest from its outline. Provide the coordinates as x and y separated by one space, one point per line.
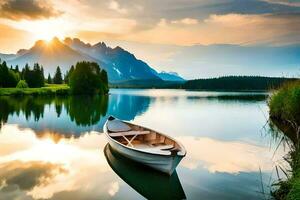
144 145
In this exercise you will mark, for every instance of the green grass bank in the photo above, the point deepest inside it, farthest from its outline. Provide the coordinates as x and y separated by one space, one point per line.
284 107
284 104
49 89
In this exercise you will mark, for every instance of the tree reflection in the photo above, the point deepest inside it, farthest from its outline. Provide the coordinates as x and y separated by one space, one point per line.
69 116
87 110
83 110
29 106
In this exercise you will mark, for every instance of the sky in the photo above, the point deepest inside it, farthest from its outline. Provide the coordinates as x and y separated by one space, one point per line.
180 23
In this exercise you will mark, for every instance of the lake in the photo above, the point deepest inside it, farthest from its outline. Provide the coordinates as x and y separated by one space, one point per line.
54 148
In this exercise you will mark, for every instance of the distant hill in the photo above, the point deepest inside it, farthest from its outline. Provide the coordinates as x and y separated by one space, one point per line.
170 76
236 83
119 63
6 56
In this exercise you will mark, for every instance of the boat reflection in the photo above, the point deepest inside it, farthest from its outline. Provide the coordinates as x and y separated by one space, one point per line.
148 182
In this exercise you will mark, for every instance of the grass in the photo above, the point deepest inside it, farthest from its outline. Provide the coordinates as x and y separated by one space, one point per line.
284 104
289 189
49 89
284 107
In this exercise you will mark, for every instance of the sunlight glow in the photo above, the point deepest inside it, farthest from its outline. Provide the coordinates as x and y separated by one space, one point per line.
45 29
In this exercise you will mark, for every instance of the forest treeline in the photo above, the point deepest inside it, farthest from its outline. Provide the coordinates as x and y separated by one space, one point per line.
85 77
237 83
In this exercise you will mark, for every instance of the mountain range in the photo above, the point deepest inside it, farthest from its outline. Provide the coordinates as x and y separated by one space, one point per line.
121 65
216 60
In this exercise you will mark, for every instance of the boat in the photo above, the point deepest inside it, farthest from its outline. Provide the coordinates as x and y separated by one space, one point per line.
144 145
144 180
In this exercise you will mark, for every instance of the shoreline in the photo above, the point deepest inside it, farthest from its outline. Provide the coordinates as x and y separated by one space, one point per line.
48 90
284 107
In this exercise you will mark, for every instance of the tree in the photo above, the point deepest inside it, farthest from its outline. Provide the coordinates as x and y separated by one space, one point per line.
86 79
8 78
49 80
22 84
68 74
12 79
57 79
3 74
104 78
34 78
17 68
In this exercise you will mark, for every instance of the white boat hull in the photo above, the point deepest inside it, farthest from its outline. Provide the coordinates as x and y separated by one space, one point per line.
166 164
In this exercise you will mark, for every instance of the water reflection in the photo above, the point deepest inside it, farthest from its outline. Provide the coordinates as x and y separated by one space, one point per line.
149 183
127 107
68 117
83 111
31 168
58 142
27 175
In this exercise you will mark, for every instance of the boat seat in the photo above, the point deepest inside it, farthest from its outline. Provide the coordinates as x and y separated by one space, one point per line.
117 126
128 133
154 148
148 149
156 151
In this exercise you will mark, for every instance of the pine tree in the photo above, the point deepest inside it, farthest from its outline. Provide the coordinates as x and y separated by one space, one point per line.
68 74
34 78
57 79
3 74
8 78
49 80
17 68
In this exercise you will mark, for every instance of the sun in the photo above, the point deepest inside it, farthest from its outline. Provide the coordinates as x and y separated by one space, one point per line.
48 35
48 30
45 29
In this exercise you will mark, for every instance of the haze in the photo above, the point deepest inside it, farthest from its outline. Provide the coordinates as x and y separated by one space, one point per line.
170 35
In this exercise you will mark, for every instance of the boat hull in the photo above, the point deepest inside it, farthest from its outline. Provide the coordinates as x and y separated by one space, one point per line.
163 163
144 180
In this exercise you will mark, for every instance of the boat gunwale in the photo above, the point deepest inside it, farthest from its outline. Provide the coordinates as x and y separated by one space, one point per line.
180 153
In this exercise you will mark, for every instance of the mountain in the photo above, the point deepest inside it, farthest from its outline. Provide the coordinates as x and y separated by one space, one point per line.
170 76
204 61
49 54
119 63
6 56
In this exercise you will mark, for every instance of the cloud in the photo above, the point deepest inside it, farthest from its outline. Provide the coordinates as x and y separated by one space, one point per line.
27 9
27 175
186 21
160 22
114 5
295 3
227 156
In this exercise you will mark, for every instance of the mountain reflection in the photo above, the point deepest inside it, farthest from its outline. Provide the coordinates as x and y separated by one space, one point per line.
68 117
127 107
148 182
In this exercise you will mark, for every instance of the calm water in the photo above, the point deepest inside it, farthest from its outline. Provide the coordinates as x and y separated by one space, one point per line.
54 148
